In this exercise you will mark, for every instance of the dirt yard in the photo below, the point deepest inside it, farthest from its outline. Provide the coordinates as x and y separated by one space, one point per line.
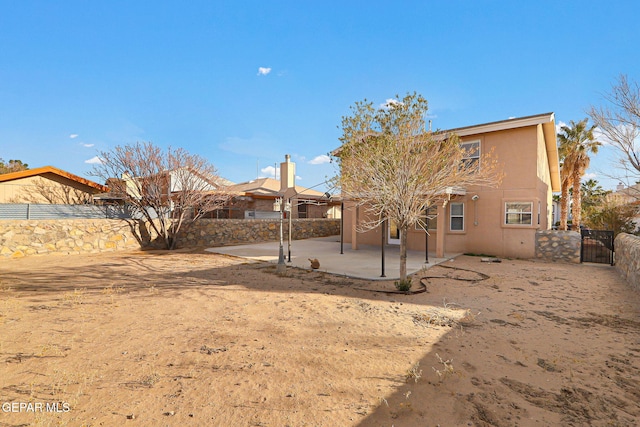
191 338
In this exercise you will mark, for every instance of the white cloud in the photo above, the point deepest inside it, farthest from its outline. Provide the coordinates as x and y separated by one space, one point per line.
73 135
269 171
95 160
263 71
588 176
298 178
390 102
87 145
320 160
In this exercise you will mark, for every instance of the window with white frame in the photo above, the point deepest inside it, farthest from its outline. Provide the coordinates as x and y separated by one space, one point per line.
518 213
456 216
471 154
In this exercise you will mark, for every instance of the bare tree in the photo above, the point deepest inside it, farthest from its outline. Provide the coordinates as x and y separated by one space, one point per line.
395 169
170 189
619 122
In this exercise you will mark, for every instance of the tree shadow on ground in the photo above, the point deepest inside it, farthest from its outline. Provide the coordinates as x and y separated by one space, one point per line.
451 377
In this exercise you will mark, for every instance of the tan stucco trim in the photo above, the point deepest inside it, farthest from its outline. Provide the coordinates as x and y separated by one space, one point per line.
503 125
551 144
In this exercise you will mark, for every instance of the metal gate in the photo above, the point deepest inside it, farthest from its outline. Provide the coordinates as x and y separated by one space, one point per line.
597 246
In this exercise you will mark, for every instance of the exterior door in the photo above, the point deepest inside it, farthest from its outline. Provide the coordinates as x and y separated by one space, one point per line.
393 237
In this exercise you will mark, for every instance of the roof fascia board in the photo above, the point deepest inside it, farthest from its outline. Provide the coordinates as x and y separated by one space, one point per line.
503 125
50 169
551 145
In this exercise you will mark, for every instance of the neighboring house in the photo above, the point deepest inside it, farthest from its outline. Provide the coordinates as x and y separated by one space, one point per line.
47 185
163 186
500 221
628 196
256 198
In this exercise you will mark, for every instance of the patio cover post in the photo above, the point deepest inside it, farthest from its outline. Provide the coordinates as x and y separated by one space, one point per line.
354 228
341 228
440 231
290 226
281 266
426 245
384 232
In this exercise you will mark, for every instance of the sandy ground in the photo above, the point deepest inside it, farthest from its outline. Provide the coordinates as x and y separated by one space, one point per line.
191 338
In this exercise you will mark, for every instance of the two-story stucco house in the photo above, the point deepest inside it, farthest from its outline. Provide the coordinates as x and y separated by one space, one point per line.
500 221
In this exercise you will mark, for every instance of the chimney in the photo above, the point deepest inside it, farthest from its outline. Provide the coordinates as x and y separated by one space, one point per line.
620 187
287 173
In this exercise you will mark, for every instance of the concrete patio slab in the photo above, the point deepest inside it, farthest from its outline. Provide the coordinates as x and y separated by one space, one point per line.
364 263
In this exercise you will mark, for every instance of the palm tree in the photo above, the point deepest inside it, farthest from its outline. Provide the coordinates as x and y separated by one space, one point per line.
576 142
565 180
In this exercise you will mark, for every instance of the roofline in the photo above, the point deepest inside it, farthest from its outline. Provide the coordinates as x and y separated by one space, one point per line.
517 122
514 123
50 169
546 120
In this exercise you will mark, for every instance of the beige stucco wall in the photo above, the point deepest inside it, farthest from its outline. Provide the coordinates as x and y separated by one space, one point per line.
25 190
521 152
12 191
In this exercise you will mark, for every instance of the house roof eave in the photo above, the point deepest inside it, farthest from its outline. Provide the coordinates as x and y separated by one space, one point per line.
515 123
50 169
551 145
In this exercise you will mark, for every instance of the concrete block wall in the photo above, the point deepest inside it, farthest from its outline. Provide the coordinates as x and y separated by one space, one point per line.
627 253
19 238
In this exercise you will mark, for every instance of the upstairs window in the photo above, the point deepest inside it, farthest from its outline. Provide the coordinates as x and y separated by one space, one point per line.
471 154
518 213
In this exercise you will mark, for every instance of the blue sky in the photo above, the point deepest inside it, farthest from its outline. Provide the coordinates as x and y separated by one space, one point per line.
242 83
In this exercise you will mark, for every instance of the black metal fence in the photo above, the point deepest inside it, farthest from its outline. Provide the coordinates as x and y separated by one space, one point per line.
597 246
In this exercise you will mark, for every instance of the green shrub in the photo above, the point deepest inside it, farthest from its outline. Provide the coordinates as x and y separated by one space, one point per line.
404 285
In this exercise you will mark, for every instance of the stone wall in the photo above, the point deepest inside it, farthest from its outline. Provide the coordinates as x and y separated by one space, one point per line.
212 232
19 238
627 256
555 245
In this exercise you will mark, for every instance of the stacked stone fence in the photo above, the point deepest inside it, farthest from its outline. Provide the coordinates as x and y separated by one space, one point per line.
19 238
556 245
628 258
